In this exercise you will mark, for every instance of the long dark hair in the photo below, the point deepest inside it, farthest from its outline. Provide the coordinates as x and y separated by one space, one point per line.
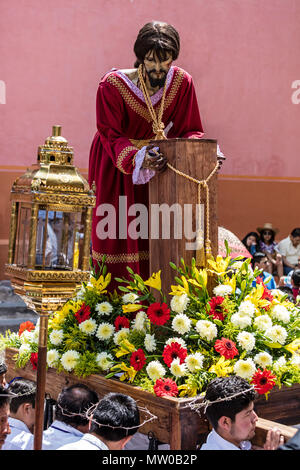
253 234
158 36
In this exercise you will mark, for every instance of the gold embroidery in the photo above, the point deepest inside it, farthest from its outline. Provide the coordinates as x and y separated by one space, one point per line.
135 105
125 152
140 143
122 257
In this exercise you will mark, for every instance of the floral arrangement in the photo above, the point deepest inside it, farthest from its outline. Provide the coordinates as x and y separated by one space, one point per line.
219 321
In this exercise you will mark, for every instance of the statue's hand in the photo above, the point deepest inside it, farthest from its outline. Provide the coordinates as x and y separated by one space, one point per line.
154 160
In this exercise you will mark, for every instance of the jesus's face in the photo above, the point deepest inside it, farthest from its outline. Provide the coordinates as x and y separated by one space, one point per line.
157 69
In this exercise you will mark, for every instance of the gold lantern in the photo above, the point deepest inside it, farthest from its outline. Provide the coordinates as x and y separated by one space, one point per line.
49 245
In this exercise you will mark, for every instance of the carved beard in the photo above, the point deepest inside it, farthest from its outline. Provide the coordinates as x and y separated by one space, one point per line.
156 82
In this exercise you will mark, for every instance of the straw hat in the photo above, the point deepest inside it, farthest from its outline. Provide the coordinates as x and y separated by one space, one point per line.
267 226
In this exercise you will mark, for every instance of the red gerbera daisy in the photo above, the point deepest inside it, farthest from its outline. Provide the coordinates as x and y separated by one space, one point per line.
34 360
173 351
263 381
121 322
165 387
83 313
138 359
158 313
215 307
226 348
26 326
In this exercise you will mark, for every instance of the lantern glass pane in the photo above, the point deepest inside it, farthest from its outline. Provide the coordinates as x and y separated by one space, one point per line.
22 240
57 232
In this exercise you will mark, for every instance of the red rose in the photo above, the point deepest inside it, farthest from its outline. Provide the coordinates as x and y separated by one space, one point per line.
226 348
34 360
83 313
121 322
165 387
26 326
263 381
215 307
173 351
138 359
158 313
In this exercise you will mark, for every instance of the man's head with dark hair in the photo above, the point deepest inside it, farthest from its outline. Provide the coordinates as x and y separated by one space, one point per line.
156 47
72 404
259 260
3 370
115 420
4 414
22 405
295 278
234 419
295 236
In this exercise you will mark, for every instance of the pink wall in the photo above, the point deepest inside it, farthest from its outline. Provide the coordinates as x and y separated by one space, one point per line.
243 55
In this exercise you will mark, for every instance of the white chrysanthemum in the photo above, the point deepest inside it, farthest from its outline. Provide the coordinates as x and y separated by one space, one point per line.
104 308
277 334
24 348
52 357
245 368
263 322
177 340
139 322
181 323
155 370
105 331
179 303
69 359
263 359
56 337
194 362
281 361
104 360
121 335
206 329
177 369
129 298
27 337
88 326
222 290
295 360
246 308
246 340
150 343
281 313
241 320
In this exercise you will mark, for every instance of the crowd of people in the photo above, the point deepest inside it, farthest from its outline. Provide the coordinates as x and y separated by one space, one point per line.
82 421
279 260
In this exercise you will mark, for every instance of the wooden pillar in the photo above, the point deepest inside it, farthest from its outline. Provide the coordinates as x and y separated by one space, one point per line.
171 193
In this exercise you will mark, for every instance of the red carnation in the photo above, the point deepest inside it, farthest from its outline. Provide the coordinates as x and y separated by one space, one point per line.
158 313
26 326
263 381
34 360
83 313
215 307
173 351
138 359
226 348
121 322
165 387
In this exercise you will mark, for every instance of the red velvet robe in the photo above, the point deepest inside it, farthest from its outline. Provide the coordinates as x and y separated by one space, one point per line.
123 115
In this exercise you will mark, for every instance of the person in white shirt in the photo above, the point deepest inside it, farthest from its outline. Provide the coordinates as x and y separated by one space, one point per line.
4 415
70 422
115 420
289 248
230 411
22 415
